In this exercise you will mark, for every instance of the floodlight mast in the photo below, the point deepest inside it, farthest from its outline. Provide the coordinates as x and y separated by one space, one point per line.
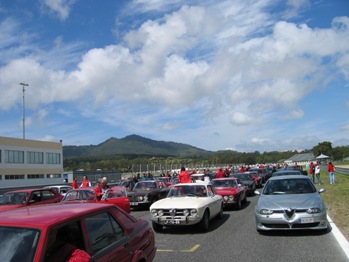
23 86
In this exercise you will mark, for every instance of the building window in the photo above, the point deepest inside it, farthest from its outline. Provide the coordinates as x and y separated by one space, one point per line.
12 156
53 158
37 176
12 177
0 177
35 157
53 175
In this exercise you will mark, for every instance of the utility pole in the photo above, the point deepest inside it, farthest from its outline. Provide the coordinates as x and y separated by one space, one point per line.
23 86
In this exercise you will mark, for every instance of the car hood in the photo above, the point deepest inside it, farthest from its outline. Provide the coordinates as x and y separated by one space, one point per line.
294 201
140 192
226 190
180 202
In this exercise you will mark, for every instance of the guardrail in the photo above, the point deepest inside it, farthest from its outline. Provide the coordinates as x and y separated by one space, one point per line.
342 170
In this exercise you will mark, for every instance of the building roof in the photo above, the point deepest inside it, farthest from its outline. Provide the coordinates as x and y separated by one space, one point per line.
301 158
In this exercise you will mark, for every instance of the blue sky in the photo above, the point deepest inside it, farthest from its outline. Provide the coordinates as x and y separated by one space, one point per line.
254 75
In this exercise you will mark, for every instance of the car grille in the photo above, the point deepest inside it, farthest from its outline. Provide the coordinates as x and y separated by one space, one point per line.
286 226
173 212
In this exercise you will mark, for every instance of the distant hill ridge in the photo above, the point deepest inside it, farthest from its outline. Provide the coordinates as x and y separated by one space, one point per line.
133 145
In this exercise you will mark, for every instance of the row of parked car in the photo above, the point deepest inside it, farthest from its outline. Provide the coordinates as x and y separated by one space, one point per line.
40 224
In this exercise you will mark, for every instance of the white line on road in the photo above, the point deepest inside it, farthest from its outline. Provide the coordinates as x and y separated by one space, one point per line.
343 242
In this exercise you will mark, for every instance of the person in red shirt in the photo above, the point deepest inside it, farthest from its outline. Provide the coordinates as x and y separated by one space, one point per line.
85 182
184 176
331 169
75 183
220 173
102 188
242 169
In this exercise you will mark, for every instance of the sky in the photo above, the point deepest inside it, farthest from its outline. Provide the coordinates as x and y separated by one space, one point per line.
252 75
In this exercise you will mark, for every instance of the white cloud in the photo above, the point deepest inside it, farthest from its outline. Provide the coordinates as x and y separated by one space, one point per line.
61 8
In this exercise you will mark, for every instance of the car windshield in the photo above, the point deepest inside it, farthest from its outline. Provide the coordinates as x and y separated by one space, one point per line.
243 176
224 183
116 192
18 244
18 198
145 185
190 190
77 195
289 186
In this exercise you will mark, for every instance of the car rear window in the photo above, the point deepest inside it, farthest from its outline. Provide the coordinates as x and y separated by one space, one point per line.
18 244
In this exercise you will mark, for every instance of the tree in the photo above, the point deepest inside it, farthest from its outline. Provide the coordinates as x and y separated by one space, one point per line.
323 148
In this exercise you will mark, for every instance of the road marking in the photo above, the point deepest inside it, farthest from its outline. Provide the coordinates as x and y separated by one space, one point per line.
172 250
343 242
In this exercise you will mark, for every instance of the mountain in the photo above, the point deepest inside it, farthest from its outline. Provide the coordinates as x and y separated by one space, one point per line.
133 145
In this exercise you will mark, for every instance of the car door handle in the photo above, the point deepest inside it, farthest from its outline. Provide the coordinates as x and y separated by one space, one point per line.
126 245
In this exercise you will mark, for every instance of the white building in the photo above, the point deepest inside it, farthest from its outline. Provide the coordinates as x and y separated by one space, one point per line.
25 162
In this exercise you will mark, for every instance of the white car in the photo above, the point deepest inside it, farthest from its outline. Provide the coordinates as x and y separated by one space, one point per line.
187 204
62 189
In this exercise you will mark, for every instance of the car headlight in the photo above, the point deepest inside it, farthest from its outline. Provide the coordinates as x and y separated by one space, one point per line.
225 198
314 210
231 197
145 198
140 198
193 212
266 212
160 212
185 212
154 212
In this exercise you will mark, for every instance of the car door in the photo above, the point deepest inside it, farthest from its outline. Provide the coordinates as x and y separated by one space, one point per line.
108 241
216 200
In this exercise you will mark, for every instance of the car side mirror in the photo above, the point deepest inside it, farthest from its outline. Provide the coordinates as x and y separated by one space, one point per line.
322 190
257 192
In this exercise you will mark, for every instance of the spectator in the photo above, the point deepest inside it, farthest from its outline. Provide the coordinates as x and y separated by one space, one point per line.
220 173
317 173
75 183
331 169
102 188
184 176
312 171
85 182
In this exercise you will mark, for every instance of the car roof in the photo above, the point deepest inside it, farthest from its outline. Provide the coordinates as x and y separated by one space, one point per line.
42 216
194 184
288 171
287 177
225 178
27 190
57 186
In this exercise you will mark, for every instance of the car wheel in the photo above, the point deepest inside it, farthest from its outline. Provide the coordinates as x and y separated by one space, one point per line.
238 204
157 227
220 214
244 201
204 223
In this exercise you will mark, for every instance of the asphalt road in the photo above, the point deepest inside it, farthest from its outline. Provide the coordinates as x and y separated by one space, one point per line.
234 238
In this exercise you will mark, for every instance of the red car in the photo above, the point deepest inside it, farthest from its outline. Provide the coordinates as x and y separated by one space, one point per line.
29 197
117 196
233 193
256 178
80 232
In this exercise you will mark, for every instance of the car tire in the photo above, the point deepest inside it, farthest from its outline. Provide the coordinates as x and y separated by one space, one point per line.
205 222
157 227
220 214
244 201
238 204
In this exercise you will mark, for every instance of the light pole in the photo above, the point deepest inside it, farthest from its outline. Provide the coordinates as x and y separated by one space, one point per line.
23 86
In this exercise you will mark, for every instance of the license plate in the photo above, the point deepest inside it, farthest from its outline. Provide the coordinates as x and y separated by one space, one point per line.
172 222
306 220
134 204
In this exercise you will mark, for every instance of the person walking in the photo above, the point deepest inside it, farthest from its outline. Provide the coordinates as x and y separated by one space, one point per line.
317 173
75 183
331 169
102 188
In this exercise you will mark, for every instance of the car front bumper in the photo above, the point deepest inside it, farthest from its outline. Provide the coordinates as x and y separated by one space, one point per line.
281 221
176 221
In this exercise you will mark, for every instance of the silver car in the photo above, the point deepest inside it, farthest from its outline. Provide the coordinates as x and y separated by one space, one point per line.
290 203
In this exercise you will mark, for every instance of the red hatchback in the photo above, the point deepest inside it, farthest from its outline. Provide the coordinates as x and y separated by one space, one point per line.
78 232
117 195
29 197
